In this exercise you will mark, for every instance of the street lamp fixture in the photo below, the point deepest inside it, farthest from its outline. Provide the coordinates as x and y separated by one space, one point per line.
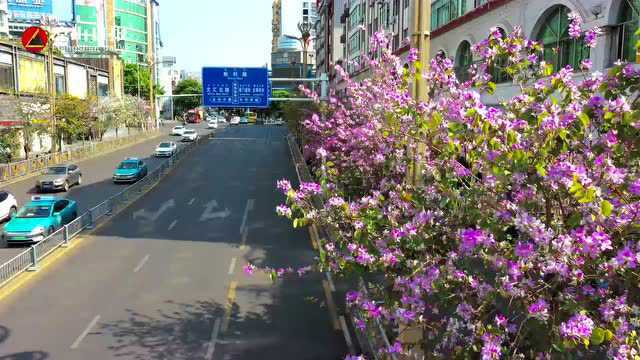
305 40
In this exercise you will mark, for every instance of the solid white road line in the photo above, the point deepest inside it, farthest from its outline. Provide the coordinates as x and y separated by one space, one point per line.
192 201
211 346
85 332
141 263
243 240
232 266
249 207
330 280
173 224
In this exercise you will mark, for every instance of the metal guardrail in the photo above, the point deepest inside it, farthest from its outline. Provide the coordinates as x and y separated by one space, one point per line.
30 258
34 165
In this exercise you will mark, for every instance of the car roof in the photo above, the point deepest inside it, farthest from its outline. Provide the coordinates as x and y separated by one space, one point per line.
131 160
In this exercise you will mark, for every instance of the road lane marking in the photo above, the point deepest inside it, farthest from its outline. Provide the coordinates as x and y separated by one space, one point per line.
231 298
243 240
313 235
331 305
192 201
85 332
211 346
249 207
347 335
173 224
232 266
141 263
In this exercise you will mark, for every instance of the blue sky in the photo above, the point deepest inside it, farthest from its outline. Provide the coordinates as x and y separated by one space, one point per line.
219 32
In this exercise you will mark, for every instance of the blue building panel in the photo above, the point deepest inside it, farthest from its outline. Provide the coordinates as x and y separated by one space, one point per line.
29 9
229 87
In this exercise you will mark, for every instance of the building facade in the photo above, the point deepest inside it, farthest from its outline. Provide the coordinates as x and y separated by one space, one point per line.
276 24
456 25
330 35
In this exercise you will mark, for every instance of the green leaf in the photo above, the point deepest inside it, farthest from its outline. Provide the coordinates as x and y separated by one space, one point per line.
576 186
491 87
541 171
574 220
606 208
597 336
608 335
584 119
548 70
587 196
296 223
435 121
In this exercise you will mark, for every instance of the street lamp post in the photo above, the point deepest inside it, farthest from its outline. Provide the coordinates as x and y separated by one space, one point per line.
304 39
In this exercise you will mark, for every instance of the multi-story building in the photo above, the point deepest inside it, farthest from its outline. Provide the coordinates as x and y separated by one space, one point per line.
57 14
310 15
330 35
91 24
4 18
458 24
132 30
276 24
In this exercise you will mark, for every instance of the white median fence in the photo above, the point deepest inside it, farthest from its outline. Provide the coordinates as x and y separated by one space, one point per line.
30 258
36 164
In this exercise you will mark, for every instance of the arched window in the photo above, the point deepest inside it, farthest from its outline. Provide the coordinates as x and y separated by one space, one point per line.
628 23
560 49
464 59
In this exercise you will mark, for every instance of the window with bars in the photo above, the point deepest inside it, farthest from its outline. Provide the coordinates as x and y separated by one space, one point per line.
625 38
560 49
444 11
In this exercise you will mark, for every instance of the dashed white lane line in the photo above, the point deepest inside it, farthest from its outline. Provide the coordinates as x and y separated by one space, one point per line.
249 207
141 263
211 346
232 266
173 224
192 201
85 332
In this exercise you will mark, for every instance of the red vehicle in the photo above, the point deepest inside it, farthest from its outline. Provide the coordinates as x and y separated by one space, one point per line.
194 116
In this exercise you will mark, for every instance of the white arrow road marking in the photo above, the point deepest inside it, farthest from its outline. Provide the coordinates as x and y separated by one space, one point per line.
249 207
173 224
141 263
209 214
192 201
232 266
154 216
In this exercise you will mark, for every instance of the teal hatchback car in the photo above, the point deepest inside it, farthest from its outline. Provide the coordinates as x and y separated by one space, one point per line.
130 170
39 219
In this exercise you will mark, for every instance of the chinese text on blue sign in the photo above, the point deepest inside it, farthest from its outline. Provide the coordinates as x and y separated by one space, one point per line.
235 87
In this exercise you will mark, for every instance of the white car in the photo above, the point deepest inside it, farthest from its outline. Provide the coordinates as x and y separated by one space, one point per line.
178 130
189 135
235 120
212 124
8 206
167 148
222 120
278 122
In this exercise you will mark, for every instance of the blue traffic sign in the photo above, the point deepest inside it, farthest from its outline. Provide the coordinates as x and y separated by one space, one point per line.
227 87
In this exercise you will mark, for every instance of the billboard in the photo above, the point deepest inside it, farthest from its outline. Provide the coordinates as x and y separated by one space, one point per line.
29 9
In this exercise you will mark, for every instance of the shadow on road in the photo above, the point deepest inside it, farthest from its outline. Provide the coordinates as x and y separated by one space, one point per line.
23 355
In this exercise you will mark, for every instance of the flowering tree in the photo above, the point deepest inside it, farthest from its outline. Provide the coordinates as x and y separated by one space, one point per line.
33 116
521 239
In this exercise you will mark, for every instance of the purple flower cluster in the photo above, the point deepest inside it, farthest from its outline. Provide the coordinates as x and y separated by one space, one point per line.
577 327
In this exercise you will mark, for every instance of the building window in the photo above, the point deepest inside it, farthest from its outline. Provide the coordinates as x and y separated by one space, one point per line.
406 4
396 7
444 11
478 3
625 32
560 50
6 78
464 59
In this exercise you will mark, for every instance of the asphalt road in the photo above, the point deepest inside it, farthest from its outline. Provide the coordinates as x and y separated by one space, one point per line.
164 280
96 186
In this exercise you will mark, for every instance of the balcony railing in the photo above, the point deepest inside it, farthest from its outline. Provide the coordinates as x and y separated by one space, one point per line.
623 46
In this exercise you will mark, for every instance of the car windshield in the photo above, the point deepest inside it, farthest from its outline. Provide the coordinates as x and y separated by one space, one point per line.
58 170
128 165
34 211
179 127
165 145
189 132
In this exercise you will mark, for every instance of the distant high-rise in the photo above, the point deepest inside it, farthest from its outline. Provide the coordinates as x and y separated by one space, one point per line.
276 24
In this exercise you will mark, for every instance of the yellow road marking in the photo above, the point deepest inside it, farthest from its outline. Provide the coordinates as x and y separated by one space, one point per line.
313 234
231 299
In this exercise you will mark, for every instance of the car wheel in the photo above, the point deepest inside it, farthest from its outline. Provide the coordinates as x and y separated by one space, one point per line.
66 186
74 215
50 231
80 180
12 212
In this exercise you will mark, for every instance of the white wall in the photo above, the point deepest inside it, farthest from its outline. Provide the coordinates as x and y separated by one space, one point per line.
77 81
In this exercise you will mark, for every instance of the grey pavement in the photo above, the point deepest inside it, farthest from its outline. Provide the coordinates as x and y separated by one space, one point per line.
96 180
163 279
